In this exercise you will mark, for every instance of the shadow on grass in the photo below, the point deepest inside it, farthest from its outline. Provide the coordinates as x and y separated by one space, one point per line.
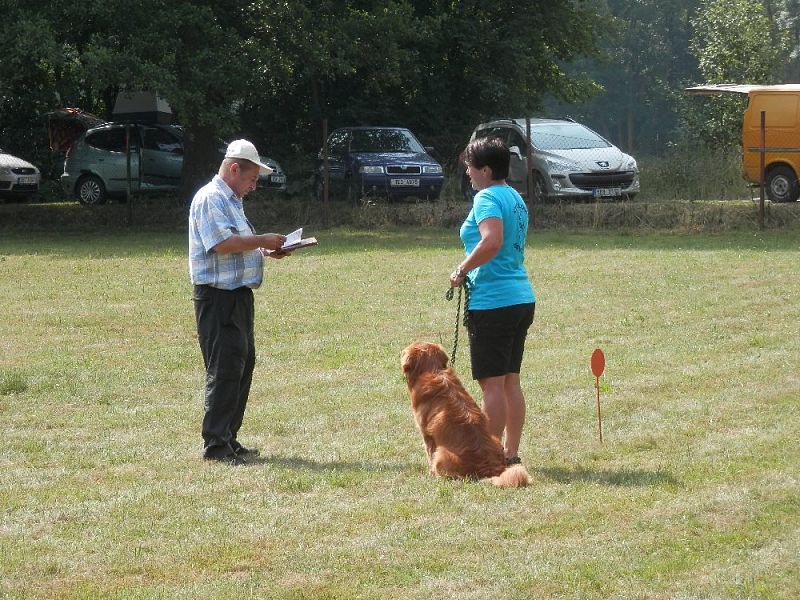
303 464
621 477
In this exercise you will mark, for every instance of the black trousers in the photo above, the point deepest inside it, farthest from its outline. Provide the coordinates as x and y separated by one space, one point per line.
225 330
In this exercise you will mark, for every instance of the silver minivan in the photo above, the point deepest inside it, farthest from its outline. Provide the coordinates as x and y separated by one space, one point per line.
569 160
96 164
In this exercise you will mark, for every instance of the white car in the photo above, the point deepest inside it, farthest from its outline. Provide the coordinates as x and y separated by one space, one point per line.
569 160
18 178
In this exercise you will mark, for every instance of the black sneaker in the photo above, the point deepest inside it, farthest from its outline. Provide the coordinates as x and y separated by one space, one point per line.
249 452
513 460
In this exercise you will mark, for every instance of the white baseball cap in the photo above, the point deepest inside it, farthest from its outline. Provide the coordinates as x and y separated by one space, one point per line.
246 150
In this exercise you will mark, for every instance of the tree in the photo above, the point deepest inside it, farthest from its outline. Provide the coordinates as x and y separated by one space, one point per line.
730 42
437 67
643 66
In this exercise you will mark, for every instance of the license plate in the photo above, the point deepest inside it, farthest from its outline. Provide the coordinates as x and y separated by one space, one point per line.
606 192
278 179
24 180
405 182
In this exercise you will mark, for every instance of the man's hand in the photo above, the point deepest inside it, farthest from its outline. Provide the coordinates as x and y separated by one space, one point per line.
272 241
275 253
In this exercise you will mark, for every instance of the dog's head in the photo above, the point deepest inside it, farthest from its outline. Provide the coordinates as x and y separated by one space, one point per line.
422 357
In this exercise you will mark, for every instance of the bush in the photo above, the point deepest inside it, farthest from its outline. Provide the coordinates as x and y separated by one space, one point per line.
687 173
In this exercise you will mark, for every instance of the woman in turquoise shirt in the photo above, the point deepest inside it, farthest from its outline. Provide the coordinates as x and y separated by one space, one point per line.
502 302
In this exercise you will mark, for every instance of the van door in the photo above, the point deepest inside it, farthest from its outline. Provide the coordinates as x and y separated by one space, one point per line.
781 141
105 157
162 157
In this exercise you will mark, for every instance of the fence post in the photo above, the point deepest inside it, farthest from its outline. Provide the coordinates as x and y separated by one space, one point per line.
128 194
762 151
529 166
325 171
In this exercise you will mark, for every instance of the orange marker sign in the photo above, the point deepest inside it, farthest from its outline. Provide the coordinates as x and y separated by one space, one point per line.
598 366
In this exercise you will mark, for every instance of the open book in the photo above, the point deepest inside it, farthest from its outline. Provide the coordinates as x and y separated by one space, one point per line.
295 240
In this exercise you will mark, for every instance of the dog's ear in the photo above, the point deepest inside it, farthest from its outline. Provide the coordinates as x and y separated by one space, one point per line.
409 359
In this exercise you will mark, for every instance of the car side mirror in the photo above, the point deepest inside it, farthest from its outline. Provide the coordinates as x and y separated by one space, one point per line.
515 151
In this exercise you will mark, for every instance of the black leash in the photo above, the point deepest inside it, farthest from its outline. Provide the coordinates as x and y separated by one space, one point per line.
449 296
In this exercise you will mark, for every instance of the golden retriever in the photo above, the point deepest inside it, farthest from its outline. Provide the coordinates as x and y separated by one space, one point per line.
455 430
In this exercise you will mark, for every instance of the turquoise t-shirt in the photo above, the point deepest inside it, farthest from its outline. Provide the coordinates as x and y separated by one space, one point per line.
503 281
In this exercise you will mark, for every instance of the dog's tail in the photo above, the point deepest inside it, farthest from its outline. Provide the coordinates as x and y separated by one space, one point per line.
513 476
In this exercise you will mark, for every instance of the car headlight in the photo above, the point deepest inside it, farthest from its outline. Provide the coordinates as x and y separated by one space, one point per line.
431 169
630 164
5 170
370 169
559 167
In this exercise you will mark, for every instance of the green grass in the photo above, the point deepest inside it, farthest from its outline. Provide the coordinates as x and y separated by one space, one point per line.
694 494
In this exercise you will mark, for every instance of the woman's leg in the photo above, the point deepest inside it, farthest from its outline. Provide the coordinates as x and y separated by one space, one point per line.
494 403
515 413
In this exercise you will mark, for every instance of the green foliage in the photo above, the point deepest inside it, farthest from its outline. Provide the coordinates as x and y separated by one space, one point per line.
272 71
436 67
686 171
644 61
282 67
657 48
731 43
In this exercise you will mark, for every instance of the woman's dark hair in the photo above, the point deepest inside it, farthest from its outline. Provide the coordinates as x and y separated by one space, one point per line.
489 152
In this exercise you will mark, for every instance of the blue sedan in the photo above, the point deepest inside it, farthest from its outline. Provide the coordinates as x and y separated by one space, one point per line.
377 161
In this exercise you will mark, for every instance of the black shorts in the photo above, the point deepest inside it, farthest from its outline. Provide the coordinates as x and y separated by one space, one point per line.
497 339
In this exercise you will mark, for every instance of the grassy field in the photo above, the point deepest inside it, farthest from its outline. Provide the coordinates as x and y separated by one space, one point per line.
694 494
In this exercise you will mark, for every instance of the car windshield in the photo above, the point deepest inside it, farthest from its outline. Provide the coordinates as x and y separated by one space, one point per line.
569 136
384 140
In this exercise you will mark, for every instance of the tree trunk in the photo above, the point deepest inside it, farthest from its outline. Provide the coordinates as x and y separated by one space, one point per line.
201 159
631 136
317 113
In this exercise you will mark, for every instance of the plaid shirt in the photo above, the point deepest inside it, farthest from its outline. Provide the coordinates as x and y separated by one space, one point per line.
216 214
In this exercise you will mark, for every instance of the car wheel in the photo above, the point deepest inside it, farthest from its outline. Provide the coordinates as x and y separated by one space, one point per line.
539 187
782 185
91 190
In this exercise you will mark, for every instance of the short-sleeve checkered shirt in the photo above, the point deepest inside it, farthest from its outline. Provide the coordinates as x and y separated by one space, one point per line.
215 215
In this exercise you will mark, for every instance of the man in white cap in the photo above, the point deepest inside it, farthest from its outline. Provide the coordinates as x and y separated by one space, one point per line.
226 263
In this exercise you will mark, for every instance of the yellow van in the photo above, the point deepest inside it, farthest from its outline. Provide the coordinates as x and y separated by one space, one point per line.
781 103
